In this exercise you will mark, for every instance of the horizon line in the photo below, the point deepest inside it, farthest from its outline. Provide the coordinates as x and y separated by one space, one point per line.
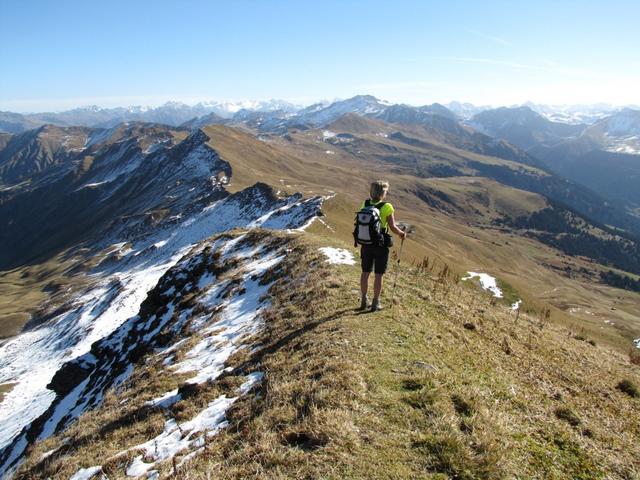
300 103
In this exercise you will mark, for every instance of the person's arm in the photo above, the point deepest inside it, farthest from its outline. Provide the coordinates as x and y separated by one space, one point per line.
394 228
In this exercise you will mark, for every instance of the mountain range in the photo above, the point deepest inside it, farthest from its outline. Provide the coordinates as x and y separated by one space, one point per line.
598 151
175 113
171 113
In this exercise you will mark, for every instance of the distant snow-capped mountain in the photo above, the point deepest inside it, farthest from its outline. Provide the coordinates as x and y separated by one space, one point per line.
523 126
569 114
319 114
171 113
226 109
279 112
618 133
573 114
466 110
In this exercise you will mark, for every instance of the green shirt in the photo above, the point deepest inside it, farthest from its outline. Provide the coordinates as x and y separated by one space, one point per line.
385 212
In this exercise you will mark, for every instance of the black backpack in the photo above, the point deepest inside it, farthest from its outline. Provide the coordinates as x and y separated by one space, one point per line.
368 226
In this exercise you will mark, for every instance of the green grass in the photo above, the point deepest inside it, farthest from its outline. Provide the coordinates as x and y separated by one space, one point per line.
557 457
510 294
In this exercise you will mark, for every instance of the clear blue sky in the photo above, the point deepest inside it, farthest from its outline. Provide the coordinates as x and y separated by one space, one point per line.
64 53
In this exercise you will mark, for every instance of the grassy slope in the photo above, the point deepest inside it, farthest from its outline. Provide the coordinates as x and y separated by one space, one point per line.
31 290
464 237
443 385
25 289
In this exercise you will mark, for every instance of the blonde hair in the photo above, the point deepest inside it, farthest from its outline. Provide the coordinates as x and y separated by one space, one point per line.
378 189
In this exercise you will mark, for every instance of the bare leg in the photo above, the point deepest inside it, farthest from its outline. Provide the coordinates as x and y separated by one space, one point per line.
364 283
377 285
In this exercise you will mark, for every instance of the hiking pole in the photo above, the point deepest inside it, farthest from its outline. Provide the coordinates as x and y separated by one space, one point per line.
395 280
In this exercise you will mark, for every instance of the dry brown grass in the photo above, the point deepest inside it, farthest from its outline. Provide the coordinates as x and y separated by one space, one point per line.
408 392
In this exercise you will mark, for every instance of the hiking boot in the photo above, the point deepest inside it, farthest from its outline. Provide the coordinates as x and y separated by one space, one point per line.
364 303
375 305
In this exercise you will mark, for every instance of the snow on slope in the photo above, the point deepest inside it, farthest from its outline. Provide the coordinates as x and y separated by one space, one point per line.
322 115
487 282
573 118
629 145
227 277
86 473
173 441
622 132
113 297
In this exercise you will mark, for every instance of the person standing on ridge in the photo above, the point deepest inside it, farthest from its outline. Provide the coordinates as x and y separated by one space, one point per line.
372 225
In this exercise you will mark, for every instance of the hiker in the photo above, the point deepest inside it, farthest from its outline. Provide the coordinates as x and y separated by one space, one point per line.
372 225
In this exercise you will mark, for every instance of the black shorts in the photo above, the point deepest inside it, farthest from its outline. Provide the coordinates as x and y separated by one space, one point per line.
377 255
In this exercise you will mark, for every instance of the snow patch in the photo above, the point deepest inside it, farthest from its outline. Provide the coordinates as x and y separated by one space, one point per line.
328 134
166 400
161 243
237 320
487 282
137 468
86 473
338 256
189 435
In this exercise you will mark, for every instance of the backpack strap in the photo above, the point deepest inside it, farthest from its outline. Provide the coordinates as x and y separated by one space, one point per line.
368 203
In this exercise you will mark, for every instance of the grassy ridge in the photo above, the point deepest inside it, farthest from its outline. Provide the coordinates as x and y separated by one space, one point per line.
443 384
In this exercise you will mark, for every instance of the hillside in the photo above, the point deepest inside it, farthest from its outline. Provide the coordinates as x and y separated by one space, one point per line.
122 266
602 156
614 175
447 383
456 216
523 127
457 201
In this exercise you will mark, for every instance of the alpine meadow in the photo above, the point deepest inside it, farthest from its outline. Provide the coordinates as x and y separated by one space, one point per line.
319 240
